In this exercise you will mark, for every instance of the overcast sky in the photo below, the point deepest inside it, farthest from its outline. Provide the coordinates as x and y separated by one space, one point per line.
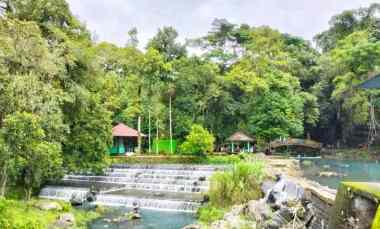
111 19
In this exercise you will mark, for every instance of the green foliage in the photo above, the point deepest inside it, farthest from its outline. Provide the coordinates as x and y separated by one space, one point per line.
171 159
20 214
237 186
208 214
165 43
37 159
199 141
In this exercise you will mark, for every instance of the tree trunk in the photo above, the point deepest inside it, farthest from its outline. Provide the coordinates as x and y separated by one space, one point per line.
157 127
170 124
139 134
3 180
149 134
28 193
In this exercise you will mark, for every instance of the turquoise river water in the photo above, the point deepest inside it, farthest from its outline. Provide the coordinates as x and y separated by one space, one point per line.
347 170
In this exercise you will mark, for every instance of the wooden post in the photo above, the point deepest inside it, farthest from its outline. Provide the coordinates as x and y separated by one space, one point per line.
232 147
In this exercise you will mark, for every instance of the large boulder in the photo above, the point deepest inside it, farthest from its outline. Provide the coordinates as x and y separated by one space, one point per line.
48 205
284 191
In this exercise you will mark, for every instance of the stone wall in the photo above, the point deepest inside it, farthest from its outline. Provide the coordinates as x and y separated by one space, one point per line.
322 212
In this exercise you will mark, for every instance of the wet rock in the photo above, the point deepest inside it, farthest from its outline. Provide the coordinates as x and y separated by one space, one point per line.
259 211
362 210
329 174
203 178
76 199
192 226
48 205
66 220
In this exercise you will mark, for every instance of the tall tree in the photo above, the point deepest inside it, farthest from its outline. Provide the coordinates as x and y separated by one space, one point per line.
165 43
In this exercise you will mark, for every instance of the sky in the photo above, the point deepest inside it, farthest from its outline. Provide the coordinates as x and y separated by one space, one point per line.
111 20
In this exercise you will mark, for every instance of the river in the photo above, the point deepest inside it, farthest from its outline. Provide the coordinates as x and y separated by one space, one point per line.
342 170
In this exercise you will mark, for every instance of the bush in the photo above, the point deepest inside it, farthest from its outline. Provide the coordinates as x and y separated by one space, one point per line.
198 142
237 186
208 214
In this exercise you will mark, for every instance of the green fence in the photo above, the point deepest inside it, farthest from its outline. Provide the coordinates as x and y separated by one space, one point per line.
163 146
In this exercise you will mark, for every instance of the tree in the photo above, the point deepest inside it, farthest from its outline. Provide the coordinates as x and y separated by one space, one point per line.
132 41
349 21
199 141
165 43
38 160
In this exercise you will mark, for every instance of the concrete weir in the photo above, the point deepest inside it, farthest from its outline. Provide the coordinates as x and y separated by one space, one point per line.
163 187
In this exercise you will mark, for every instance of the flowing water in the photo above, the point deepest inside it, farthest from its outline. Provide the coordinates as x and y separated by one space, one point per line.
151 219
331 172
169 195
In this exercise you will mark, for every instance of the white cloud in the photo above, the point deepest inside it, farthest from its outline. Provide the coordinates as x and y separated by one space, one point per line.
111 19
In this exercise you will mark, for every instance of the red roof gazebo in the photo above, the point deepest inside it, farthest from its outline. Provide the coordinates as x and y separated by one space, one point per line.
122 130
124 139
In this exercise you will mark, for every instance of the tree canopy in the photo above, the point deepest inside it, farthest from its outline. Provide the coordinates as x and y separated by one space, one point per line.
61 92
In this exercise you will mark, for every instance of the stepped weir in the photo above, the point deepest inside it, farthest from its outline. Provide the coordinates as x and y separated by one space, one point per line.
161 187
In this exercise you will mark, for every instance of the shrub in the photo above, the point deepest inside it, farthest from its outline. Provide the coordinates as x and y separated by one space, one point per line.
199 141
208 214
237 186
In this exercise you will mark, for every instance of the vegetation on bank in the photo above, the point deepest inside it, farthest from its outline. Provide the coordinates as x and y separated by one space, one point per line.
233 187
16 214
177 159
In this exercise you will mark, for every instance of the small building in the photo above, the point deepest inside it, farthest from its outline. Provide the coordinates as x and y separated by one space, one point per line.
124 139
241 142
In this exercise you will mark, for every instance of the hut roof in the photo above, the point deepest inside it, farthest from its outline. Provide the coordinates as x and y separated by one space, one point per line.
122 130
240 137
371 83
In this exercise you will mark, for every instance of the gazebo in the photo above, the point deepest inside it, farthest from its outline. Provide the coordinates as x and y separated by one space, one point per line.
238 139
124 139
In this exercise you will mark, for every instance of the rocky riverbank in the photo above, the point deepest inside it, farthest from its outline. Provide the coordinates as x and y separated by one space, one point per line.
290 201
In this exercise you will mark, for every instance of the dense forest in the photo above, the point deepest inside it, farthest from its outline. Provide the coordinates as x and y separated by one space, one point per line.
61 91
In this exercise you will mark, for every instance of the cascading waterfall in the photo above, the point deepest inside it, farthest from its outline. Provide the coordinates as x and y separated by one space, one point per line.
163 187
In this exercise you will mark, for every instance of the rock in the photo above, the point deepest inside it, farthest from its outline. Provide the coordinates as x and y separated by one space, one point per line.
220 224
284 191
48 205
266 186
280 218
259 211
330 174
66 220
202 178
77 199
192 226
362 210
